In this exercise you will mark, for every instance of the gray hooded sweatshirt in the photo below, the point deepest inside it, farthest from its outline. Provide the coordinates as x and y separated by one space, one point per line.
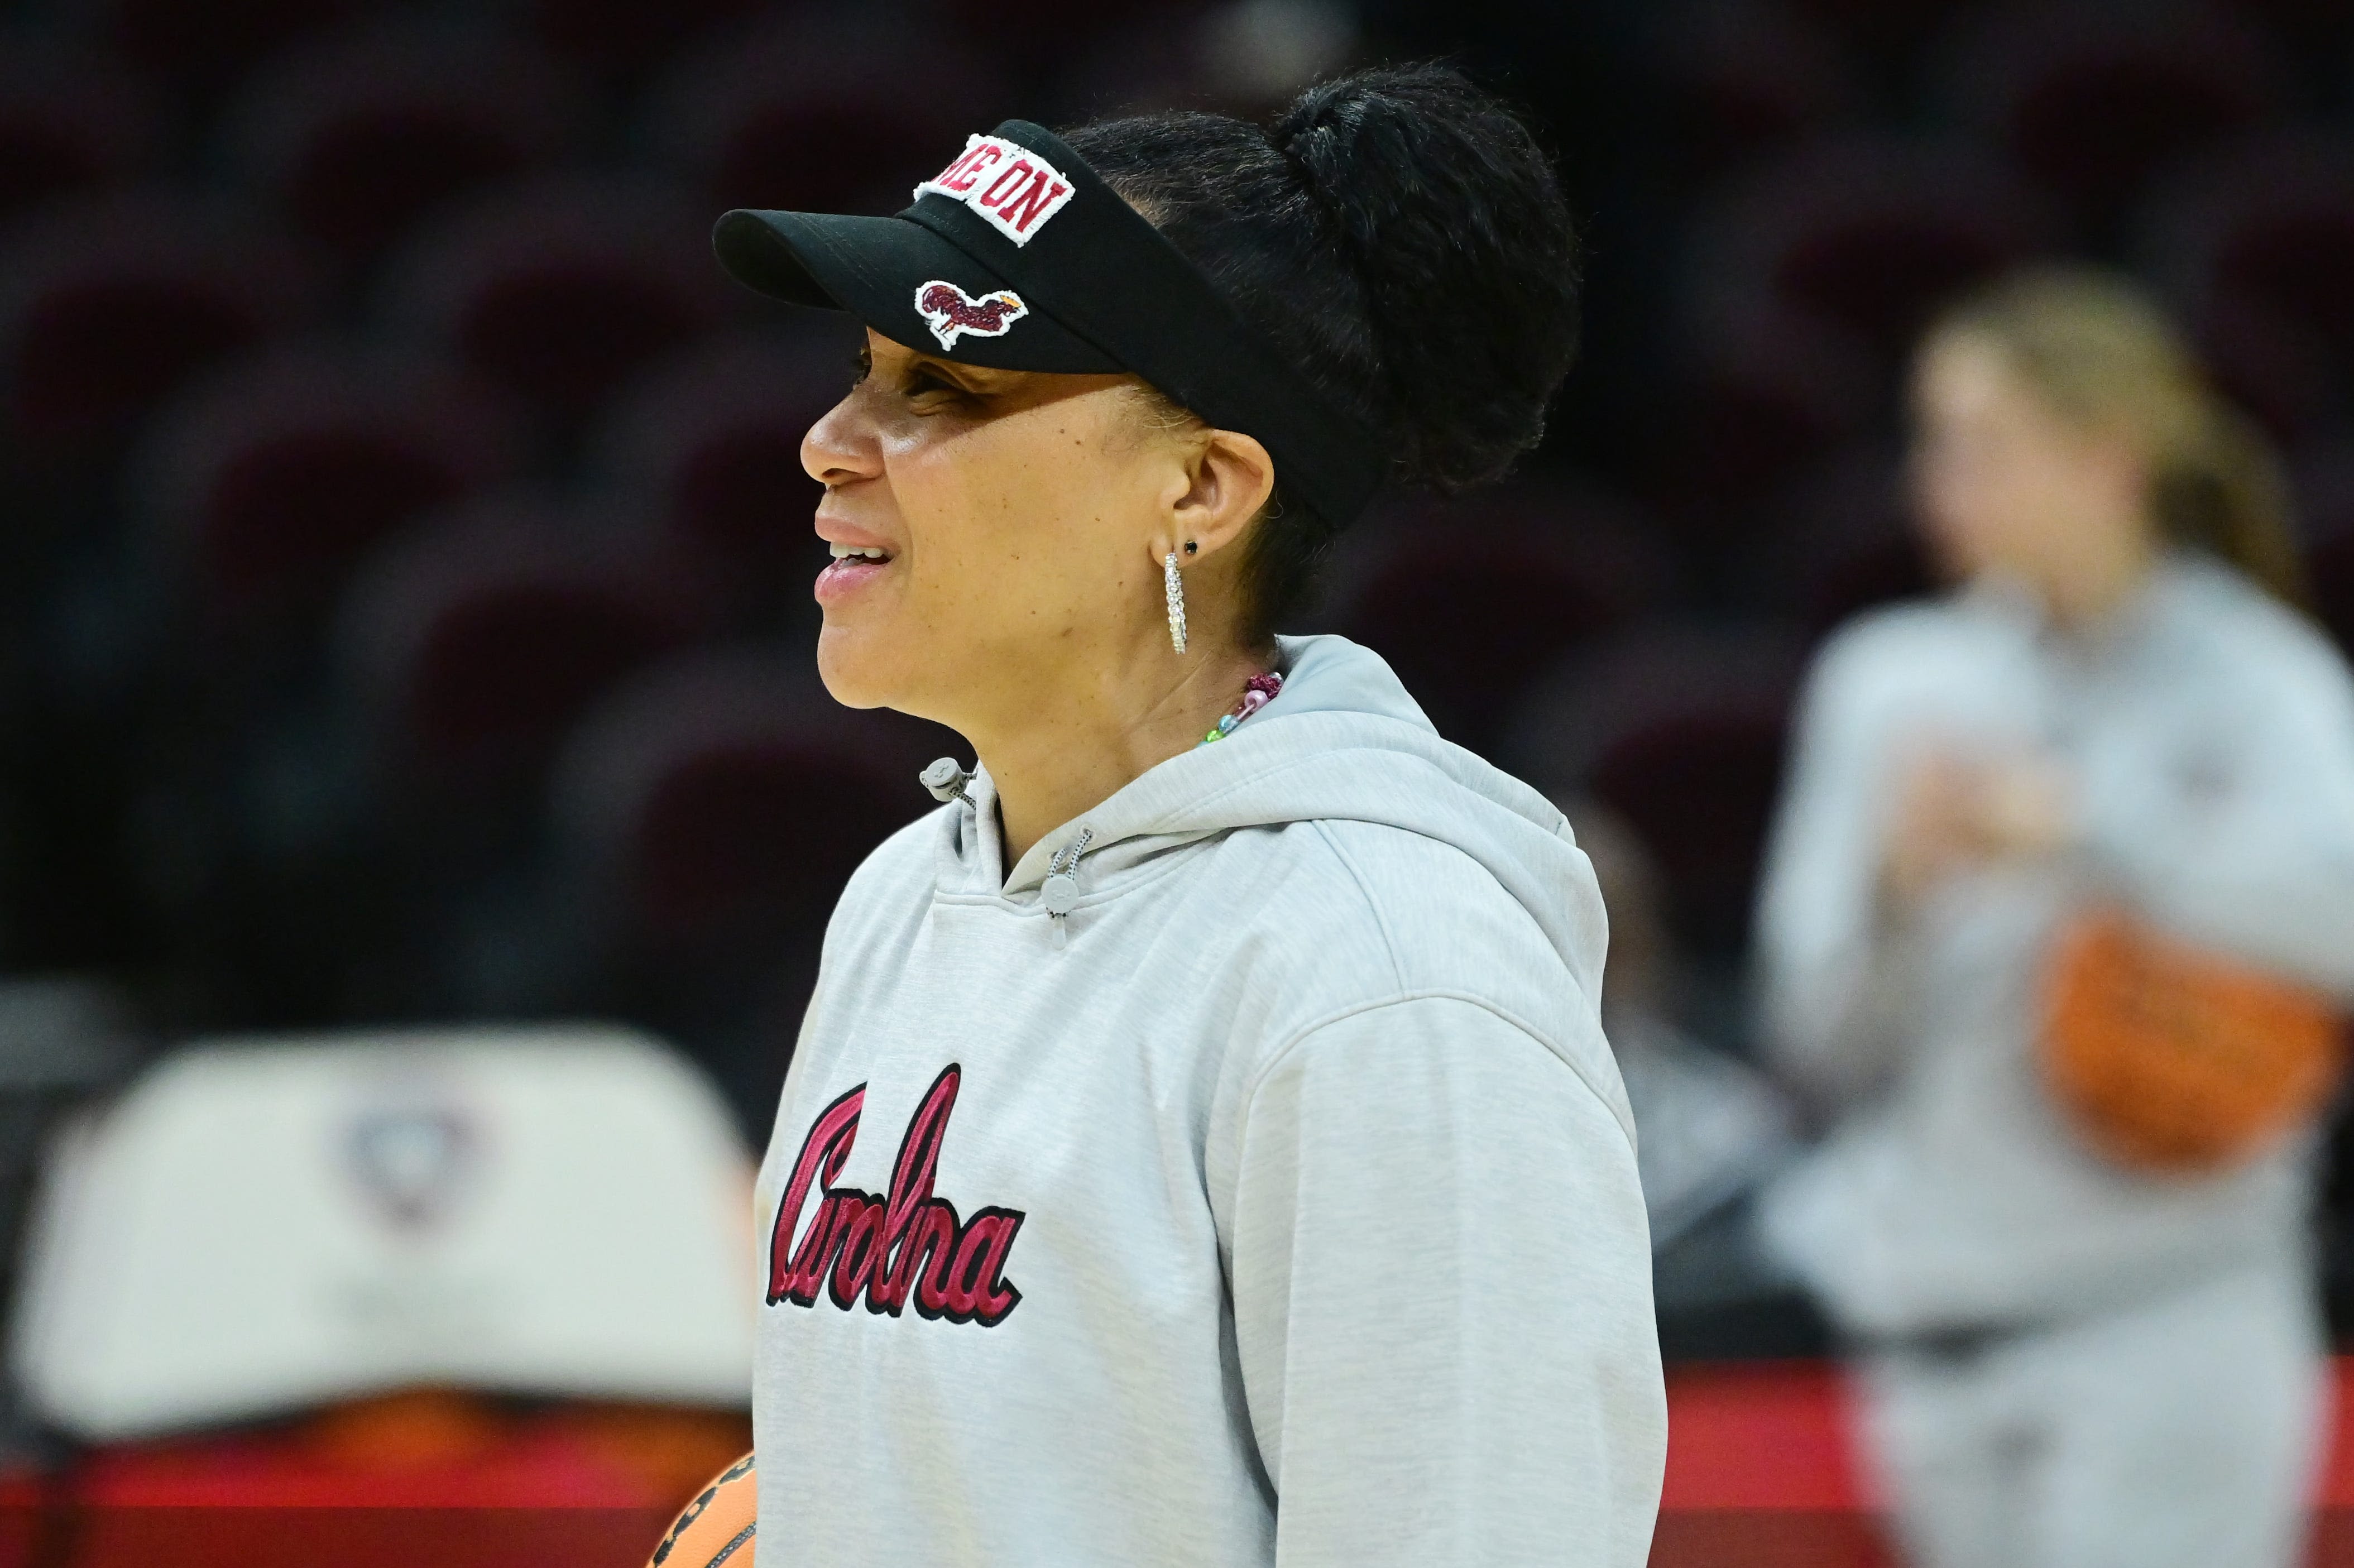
1277 1203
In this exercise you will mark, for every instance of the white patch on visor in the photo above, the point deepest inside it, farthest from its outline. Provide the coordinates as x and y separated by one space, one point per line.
1014 188
950 311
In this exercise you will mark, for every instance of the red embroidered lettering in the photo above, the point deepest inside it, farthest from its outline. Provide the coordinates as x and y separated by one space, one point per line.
821 1160
959 176
885 1247
924 1259
1010 180
862 1239
1018 199
1042 196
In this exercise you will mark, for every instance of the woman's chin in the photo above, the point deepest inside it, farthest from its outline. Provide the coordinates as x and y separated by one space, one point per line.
857 673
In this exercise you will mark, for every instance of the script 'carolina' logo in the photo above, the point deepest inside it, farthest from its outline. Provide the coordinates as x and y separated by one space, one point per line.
950 311
894 1247
1012 188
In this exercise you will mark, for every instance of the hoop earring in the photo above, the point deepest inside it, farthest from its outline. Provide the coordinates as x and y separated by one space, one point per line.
1173 589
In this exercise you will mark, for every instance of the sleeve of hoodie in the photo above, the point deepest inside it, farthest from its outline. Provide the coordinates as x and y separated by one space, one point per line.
2253 850
1441 1276
1832 972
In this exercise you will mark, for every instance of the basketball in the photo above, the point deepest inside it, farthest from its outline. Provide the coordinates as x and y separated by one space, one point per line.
717 1527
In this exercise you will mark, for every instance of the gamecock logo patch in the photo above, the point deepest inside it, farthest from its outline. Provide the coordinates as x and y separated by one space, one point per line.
950 311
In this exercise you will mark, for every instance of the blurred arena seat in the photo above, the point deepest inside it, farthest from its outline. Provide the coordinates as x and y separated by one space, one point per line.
197 46
2324 490
561 287
63 1040
1679 728
1746 78
356 134
1891 30
2279 372
1843 541
702 819
767 114
1760 400
622 37
68 124
715 805
262 484
378 1245
2089 99
708 443
109 300
2316 29
477 639
1866 233
1466 599
557 1210
2267 227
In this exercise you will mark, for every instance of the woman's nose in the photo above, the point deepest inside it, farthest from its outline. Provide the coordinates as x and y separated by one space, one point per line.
842 445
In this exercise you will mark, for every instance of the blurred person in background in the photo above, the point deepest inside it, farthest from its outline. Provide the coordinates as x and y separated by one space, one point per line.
2080 1343
1710 1128
1289 1212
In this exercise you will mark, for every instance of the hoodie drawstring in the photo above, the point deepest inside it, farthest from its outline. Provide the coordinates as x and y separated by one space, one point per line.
1060 891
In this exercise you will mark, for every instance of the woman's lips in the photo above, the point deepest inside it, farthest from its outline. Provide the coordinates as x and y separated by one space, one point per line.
845 577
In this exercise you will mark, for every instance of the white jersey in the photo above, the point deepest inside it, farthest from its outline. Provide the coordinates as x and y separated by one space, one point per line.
1279 1207
2209 733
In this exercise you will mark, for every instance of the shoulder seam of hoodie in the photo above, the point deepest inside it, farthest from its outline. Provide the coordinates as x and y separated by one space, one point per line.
1323 827
1301 1037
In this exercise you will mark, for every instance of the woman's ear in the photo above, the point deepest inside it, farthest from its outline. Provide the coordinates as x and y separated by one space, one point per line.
1231 478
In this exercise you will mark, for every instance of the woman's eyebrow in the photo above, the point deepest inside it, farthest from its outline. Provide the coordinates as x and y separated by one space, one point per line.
973 379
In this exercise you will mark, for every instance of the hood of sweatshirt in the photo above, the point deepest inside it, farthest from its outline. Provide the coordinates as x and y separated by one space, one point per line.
1342 741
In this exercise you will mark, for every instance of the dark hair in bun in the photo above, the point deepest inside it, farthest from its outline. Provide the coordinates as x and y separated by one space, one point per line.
1399 235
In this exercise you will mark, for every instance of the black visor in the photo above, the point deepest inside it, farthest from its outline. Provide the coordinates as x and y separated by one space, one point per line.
1018 256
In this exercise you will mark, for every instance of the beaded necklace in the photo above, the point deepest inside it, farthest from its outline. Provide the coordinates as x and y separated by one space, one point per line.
1258 691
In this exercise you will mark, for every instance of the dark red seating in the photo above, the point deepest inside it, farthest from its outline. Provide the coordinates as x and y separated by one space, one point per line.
2326 502
818 110
1889 29
479 639
1681 729
356 134
68 125
716 805
623 37
708 441
265 483
1869 234
240 1502
2280 373
561 287
2089 99
109 301
1761 399
200 45
1844 541
2267 226
1746 79
1467 600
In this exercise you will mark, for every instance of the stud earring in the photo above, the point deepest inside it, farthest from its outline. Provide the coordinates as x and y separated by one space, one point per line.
1173 587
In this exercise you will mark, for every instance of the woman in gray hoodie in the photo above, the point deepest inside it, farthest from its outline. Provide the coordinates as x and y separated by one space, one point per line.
1249 1180
2069 1360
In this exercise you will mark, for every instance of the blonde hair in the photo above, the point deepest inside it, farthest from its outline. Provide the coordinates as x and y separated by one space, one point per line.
2105 356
